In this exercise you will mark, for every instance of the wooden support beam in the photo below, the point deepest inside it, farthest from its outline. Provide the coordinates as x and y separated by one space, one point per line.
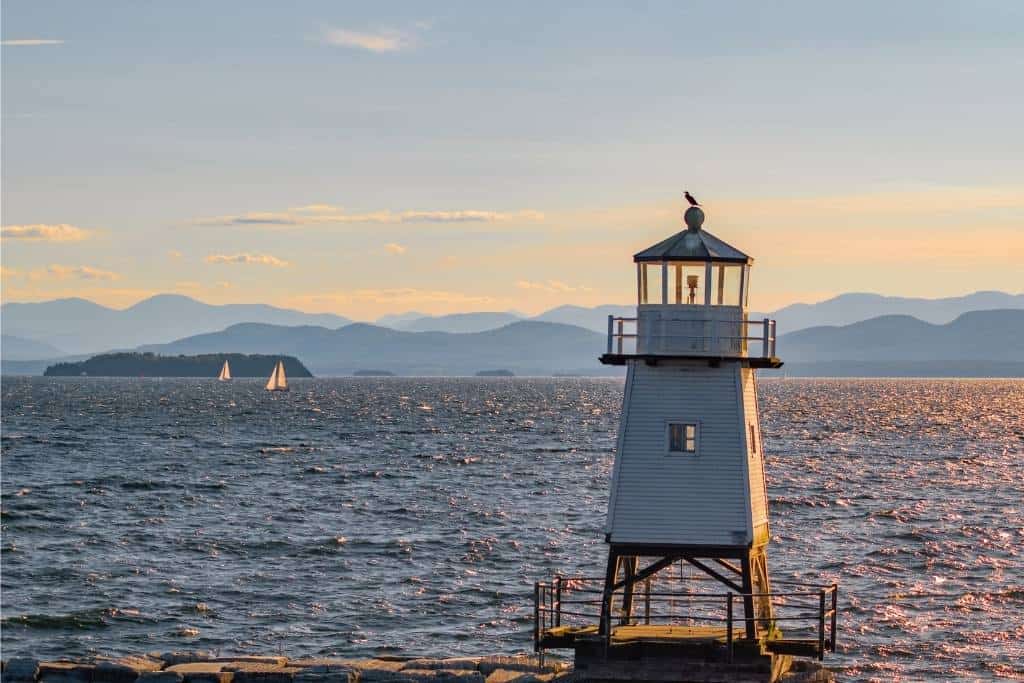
728 565
649 570
711 572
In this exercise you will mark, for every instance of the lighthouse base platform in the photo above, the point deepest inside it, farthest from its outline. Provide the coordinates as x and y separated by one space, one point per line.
685 656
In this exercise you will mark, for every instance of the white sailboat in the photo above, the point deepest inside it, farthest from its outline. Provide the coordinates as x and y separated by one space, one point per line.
225 373
277 381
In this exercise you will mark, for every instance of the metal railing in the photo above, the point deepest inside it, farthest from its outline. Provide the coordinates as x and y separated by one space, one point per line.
808 612
713 337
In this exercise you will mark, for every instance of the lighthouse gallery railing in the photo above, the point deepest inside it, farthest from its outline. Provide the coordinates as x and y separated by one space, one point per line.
622 334
805 613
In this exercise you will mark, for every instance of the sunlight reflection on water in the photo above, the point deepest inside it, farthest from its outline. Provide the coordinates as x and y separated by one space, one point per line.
413 515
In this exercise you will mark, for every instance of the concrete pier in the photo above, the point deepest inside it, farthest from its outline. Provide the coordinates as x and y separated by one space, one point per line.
202 667
205 667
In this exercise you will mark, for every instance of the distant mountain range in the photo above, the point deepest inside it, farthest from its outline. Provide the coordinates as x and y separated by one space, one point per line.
566 339
524 348
19 348
855 307
535 347
78 326
841 310
978 335
457 322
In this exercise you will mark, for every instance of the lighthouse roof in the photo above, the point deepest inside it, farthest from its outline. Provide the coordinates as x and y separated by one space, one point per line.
692 244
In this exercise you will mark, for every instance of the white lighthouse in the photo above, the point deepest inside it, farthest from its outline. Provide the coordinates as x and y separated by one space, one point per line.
688 480
688 508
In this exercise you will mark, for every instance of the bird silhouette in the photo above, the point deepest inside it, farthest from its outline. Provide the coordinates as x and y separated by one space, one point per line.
689 198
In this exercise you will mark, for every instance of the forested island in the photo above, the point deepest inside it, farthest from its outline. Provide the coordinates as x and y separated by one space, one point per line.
153 365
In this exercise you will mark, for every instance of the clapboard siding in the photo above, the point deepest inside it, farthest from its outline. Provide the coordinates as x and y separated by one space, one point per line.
681 499
755 455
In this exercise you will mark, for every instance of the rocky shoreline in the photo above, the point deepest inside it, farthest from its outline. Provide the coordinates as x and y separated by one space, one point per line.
201 667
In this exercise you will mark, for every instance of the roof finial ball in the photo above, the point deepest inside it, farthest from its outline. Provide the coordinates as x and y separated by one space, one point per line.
694 216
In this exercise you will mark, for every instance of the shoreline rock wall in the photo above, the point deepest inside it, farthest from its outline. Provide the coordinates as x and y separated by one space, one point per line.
199 667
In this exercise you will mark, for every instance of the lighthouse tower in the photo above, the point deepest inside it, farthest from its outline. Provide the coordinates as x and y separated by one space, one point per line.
687 525
688 482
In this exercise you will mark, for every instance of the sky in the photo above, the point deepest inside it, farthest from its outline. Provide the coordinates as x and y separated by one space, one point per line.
374 158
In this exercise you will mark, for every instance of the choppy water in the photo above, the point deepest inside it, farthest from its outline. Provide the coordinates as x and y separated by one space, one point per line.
413 515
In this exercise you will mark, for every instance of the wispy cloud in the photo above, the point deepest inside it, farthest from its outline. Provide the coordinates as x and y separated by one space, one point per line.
41 232
248 259
394 249
30 42
56 271
382 40
325 214
174 254
554 286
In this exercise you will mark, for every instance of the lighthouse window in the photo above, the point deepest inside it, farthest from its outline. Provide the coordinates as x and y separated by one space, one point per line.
682 437
753 440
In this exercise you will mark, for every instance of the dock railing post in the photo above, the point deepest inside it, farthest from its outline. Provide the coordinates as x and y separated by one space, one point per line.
536 617
766 338
728 624
607 612
611 331
835 606
821 626
774 324
647 601
558 600
620 335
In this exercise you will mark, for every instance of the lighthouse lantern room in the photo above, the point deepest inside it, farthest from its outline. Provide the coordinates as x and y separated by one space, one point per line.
687 523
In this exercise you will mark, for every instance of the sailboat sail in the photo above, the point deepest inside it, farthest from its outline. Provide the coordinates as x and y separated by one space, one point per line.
225 373
278 381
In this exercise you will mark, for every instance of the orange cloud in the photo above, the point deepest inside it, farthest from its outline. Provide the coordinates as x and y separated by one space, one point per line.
58 272
248 259
41 232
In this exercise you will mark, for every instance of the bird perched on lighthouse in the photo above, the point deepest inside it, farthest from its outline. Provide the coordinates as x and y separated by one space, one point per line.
689 198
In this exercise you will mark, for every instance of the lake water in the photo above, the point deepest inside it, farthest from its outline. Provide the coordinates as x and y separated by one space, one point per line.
357 516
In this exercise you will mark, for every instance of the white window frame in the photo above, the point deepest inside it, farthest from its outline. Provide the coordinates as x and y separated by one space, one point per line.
696 437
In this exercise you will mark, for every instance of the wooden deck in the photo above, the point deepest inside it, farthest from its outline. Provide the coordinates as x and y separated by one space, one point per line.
683 636
565 636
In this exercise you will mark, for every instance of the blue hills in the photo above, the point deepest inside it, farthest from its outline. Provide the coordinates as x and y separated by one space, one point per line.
939 338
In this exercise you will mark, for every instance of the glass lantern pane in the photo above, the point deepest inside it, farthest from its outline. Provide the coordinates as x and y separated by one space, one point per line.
654 285
688 283
725 285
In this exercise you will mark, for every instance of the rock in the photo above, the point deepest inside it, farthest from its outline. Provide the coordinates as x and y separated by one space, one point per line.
175 658
204 672
20 670
323 664
489 665
161 677
373 670
442 675
314 675
340 676
457 664
124 669
263 673
509 676
65 672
